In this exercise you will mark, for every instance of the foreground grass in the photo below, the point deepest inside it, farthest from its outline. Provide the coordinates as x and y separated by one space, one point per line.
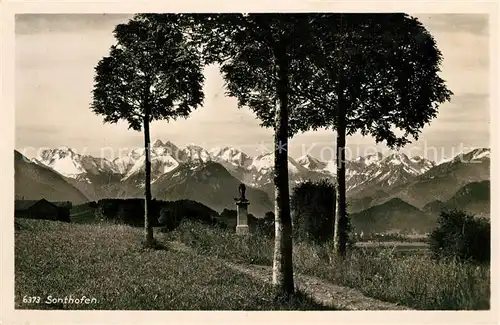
107 263
414 280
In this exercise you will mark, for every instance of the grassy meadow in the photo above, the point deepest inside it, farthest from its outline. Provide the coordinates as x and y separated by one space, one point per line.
409 277
106 262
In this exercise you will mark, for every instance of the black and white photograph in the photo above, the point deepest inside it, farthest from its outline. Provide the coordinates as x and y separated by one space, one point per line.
261 161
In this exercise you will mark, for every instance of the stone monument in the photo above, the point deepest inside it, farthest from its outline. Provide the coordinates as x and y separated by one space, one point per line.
242 211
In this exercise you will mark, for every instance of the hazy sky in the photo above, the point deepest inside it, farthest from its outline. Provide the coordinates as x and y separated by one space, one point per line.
56 55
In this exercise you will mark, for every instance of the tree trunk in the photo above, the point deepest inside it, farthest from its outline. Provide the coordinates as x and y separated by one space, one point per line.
148 227
282 263
340 234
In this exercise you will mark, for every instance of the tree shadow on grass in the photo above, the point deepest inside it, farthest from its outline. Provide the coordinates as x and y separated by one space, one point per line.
156 246
299 301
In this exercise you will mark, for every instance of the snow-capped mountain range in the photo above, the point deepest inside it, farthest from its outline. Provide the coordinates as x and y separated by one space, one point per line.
70 164
362 172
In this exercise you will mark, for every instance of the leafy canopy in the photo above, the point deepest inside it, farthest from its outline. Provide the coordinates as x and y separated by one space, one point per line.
386 67
249 49
153 67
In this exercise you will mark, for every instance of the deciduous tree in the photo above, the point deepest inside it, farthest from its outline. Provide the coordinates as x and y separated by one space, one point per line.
257 54
377 74
151 73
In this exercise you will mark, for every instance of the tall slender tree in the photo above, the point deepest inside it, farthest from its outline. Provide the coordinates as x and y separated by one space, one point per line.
152 73
377 74
257 54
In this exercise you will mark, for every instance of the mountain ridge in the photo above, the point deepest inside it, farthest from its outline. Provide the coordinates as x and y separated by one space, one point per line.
394 215
371 180
34 182
362 172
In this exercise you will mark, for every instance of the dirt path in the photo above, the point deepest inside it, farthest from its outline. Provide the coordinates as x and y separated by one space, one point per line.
323 292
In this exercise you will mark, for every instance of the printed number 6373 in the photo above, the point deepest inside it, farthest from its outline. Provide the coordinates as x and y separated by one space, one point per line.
31 299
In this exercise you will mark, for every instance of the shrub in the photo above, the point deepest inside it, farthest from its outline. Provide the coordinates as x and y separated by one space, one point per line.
192 210
131 212
163 213
106 208
461 236
167 219
64 213
265 226
171 214
313 211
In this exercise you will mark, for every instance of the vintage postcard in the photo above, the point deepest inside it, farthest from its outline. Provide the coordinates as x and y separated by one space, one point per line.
325 157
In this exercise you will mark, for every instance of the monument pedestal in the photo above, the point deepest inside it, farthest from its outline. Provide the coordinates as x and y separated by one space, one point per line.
242 230
242 217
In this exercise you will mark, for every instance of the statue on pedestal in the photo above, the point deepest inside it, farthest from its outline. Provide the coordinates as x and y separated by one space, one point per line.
241 199
242 189
242 211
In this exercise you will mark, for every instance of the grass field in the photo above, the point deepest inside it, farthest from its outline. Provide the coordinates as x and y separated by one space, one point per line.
106 263
413 279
